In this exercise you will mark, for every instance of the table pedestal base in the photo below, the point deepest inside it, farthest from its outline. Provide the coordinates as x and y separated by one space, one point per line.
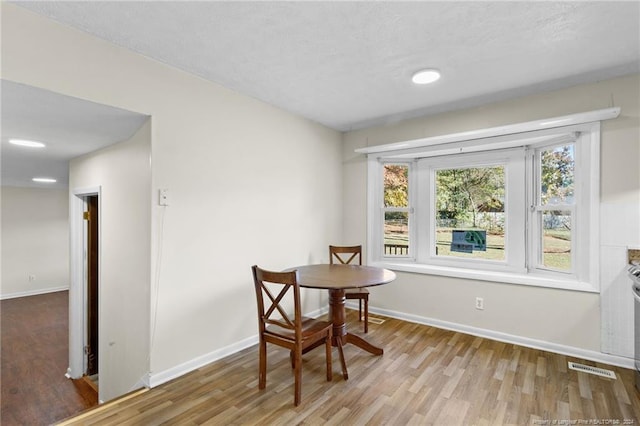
337 278
363 344
340 335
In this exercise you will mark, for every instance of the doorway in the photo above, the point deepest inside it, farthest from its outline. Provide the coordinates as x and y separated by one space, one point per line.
92 288
84 291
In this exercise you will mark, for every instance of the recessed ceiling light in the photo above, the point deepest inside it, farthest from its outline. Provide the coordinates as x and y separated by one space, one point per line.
29 144
425 76
44 180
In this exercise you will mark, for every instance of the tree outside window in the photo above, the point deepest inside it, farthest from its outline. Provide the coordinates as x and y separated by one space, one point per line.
555 207
396 206
469 207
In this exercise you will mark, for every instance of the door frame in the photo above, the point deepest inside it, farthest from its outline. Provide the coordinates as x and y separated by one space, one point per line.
78 278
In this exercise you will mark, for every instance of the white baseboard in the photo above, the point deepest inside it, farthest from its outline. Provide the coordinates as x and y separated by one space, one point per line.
159 378
317 312
143 382
33 292
509 338
155 379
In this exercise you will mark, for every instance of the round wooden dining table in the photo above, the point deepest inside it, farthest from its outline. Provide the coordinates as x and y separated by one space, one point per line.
336 279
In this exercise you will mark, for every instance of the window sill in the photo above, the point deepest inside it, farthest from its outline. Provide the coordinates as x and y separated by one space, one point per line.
493 276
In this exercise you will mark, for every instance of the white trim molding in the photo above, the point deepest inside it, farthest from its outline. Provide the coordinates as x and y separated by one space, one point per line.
33 292
510 338
510 129
77 275
156 379
515 152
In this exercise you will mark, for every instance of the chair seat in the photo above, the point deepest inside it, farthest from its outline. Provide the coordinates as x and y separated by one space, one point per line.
356 293
310 327
290 330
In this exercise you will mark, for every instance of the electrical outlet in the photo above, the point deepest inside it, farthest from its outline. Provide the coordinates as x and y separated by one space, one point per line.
32 277
479 303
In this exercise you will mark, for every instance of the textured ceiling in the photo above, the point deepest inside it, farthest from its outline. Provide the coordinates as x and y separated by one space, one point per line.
343 64
348 64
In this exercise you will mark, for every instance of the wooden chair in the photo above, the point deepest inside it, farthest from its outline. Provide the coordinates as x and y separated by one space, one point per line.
281 328
340 254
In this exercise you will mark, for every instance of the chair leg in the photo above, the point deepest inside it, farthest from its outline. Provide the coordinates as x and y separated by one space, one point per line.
345 374
328 355
366 315
297 372
262 369
359 310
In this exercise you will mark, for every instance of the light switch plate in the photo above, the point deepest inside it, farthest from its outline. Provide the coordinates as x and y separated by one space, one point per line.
163 197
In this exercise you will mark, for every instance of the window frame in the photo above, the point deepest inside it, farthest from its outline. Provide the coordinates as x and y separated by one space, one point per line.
511 159
536 209
379 214
587 157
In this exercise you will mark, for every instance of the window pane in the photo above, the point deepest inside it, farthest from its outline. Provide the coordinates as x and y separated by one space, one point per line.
396 185
556 239
470 215
396 233
557 167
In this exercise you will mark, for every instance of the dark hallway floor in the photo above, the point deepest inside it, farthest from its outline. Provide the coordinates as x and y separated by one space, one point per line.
34 359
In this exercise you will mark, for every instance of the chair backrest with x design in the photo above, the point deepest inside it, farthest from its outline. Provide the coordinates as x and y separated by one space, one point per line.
277 326
340 254
273 290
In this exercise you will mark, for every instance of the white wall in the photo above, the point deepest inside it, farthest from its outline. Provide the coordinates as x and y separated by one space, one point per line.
248 183
35 241
558 317
123 174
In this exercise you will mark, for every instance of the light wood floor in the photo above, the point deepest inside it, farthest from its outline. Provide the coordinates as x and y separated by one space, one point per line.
426 376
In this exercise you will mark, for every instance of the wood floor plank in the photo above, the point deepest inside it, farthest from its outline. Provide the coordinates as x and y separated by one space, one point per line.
34 357
338 418
453 412
426 376
417 420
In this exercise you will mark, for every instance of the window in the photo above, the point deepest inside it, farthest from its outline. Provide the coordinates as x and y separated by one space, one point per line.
554 208
396 209
469 212
472 207
518 208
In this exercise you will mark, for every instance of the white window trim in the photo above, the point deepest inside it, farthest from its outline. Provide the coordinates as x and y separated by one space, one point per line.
546 123
492 276
535 209
484 140
587 152
511 159
379 211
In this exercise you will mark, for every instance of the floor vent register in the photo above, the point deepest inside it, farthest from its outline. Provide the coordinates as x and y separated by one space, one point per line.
592 370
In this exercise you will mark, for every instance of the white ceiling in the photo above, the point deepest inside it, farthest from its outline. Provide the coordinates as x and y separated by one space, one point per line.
70 127
348 64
